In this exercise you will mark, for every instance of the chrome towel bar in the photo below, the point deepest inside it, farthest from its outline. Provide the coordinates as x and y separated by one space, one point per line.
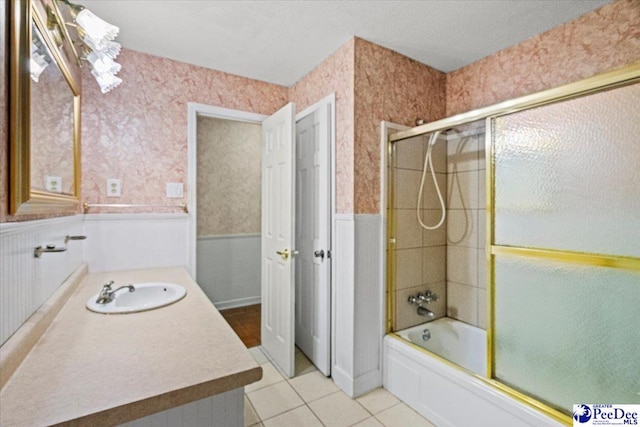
87 206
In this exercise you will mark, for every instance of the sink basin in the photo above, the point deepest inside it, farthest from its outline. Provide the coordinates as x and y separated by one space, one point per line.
147 296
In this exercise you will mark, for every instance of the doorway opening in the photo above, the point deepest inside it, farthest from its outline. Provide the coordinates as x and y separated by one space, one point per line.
224 249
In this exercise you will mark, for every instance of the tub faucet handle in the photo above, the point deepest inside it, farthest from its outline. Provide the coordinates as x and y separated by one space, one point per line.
433 296
427 297
413 300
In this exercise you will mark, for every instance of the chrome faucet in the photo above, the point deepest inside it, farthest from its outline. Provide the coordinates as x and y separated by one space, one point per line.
423 311
427 297
107 295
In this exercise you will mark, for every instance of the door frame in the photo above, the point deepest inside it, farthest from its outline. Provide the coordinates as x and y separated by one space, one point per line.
329 100
387 266
193 110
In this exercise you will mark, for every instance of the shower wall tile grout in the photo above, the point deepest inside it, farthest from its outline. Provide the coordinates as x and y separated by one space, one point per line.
452 256
465 226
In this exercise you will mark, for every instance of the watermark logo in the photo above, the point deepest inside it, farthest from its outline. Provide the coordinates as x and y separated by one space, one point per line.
605 415
581 413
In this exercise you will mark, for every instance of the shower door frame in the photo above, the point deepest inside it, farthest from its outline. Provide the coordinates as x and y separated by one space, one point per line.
614 79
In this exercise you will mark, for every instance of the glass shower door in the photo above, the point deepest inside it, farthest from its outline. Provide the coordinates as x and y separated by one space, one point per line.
565 250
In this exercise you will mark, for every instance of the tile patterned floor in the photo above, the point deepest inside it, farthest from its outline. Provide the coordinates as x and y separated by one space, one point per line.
310 399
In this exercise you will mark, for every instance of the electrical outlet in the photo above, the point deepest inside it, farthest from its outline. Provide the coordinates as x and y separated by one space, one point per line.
54 184
175 190
114 187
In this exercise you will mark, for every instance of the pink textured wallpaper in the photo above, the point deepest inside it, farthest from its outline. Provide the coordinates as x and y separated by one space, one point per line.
138 132
392 87
600 41
334 74
229 177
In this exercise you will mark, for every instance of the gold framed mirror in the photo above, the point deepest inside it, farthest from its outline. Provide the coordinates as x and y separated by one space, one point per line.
44 130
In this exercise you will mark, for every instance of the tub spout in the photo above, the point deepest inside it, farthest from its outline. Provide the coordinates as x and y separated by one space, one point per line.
423 311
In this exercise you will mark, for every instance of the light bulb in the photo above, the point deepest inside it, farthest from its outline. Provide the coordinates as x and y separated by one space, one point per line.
106 81
109 48
96 29
102 63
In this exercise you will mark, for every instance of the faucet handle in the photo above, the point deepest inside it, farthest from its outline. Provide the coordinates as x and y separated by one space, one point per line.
413 300
108 285
427 297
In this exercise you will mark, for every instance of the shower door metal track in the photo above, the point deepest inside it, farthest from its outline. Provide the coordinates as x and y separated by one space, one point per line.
622 77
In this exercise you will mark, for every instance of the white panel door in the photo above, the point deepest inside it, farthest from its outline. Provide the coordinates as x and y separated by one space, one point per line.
278 226
312 237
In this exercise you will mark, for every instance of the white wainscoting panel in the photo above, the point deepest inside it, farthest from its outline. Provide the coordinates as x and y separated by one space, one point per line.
228 269
27 282
358 321
368 312
343 302
221 410
133 241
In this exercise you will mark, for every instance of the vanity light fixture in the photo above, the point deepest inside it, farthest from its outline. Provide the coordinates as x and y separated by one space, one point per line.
100 49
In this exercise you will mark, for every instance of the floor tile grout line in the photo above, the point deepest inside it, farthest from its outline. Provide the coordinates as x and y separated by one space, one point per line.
254 410
306 403
281 413
392 406
265 386
315 414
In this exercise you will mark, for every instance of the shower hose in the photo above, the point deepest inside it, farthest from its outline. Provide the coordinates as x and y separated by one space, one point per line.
428 162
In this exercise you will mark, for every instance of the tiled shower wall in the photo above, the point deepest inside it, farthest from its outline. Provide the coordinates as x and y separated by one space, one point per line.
449 261
466 218
420 255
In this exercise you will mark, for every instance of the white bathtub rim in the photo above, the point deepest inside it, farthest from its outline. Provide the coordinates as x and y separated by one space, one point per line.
469 330
469 381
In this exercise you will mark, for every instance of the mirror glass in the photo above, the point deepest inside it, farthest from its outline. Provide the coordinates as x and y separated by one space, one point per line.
51 122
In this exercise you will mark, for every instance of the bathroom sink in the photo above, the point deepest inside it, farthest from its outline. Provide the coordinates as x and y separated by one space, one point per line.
146 296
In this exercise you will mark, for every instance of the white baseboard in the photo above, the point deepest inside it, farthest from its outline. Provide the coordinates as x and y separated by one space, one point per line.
367 382
343 380
240 302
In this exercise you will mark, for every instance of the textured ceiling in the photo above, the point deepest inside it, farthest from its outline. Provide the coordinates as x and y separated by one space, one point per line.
281 41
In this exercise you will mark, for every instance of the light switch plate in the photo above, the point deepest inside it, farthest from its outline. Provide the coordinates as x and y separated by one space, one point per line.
175 190
114 187
54 184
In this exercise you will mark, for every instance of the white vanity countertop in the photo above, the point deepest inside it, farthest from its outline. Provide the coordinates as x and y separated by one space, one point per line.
95 369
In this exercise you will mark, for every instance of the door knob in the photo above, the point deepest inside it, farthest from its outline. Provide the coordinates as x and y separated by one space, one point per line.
319 254
284 254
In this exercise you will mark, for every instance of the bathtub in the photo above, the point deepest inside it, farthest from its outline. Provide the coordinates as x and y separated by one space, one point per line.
445 394
458 342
